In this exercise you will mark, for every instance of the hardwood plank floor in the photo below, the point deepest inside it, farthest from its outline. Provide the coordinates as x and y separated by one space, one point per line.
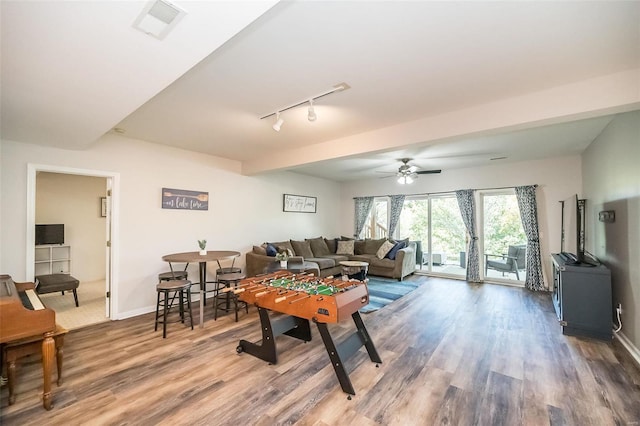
453 353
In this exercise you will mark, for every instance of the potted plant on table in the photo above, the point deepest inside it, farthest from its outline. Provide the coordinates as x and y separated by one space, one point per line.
282 256
203 245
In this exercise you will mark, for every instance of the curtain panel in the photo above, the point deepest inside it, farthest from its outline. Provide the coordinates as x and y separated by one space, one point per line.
397 201
468 211
362 208
527 203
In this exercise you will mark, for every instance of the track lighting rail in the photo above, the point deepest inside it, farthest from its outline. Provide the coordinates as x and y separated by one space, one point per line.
337 88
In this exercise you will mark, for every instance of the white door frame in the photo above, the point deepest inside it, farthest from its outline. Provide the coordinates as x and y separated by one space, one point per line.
111 225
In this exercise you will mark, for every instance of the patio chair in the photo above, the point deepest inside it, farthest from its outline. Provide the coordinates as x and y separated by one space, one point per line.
509 263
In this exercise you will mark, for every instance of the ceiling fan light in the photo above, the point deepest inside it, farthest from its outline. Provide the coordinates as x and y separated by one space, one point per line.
401 180
408 180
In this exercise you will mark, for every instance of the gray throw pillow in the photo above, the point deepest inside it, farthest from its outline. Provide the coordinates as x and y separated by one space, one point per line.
302 248
318 247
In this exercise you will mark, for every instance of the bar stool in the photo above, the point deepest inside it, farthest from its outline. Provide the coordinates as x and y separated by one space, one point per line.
174 275
228 281
169 291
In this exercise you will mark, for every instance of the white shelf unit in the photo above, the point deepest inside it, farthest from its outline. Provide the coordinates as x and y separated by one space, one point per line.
52 259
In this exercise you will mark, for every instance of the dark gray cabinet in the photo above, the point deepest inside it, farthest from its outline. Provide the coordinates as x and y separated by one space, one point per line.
582 299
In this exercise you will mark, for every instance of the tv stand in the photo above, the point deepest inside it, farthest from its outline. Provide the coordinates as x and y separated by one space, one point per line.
582 298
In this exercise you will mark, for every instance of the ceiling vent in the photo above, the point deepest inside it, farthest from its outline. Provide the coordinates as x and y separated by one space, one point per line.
158 18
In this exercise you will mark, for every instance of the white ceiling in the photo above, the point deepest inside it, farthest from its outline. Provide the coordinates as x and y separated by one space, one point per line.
71 71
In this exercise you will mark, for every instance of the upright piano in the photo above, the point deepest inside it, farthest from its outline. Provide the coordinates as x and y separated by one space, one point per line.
23 315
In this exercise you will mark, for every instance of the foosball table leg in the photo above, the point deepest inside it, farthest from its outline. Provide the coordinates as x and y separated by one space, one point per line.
266 349
336 359
346 349
368 343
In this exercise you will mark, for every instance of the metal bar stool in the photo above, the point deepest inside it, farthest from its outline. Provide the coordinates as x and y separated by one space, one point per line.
228 269
174 275
228 281
169 291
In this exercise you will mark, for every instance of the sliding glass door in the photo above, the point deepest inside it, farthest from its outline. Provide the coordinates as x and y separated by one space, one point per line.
503 238
435 223
446 253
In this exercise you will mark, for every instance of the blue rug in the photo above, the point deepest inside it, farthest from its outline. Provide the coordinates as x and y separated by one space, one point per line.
384 291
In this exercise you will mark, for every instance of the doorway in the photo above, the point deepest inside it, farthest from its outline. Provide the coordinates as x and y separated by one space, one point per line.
81 200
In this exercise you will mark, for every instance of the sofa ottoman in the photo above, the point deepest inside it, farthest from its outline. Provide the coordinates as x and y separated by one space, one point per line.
57 282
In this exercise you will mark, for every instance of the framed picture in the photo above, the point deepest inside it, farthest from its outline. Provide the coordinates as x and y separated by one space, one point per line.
103 206
299 203
183 199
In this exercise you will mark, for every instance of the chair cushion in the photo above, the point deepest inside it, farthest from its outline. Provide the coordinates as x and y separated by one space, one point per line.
56 282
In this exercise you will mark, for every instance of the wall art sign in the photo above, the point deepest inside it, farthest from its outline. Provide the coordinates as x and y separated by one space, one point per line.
299 203
184 200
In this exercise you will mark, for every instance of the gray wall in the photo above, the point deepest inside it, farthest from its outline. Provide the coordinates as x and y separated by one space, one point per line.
611 181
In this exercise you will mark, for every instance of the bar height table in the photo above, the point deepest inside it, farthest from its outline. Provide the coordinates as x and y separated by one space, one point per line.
202 259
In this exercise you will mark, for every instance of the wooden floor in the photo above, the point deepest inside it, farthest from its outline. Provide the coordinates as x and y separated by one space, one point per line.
453 353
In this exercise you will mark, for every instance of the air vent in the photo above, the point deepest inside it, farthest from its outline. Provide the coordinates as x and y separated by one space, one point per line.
158 18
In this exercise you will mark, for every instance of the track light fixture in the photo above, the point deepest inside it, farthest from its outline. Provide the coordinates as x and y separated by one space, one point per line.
278 123
312 113
311 116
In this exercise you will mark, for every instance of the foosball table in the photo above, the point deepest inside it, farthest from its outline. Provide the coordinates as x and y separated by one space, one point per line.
303 298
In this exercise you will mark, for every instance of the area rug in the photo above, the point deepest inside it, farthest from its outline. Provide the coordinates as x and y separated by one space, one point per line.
383 291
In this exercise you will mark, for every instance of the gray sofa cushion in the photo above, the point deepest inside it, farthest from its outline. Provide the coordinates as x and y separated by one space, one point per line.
323 262
337 257
332 244
318 247
302 248
372 246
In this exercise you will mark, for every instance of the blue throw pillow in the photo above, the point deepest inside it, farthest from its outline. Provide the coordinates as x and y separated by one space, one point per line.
394 250
271 250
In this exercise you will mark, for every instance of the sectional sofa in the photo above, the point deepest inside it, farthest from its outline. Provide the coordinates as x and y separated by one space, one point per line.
329 252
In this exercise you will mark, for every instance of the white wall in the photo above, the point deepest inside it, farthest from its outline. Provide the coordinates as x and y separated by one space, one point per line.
611 176
75 201
242 210
557 179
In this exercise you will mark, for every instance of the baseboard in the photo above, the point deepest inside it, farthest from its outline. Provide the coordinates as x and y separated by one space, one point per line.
631 349
147 309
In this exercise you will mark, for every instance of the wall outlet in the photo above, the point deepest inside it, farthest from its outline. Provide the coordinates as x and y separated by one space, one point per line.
619 308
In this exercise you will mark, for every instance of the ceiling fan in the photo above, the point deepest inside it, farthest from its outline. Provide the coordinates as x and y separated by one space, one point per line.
406 173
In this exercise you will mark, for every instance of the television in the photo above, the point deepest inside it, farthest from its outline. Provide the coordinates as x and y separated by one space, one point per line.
49 234
572 244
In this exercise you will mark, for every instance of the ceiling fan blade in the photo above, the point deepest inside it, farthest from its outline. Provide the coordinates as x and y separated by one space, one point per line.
428 172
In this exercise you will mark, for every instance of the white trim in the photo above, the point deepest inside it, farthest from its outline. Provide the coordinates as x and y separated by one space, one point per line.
631 349
113 182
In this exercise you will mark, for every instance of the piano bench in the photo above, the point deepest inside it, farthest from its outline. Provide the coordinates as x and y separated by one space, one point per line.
57 282
30 346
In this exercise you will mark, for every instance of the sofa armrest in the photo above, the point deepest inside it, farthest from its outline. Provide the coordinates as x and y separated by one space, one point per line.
405 262
257 263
